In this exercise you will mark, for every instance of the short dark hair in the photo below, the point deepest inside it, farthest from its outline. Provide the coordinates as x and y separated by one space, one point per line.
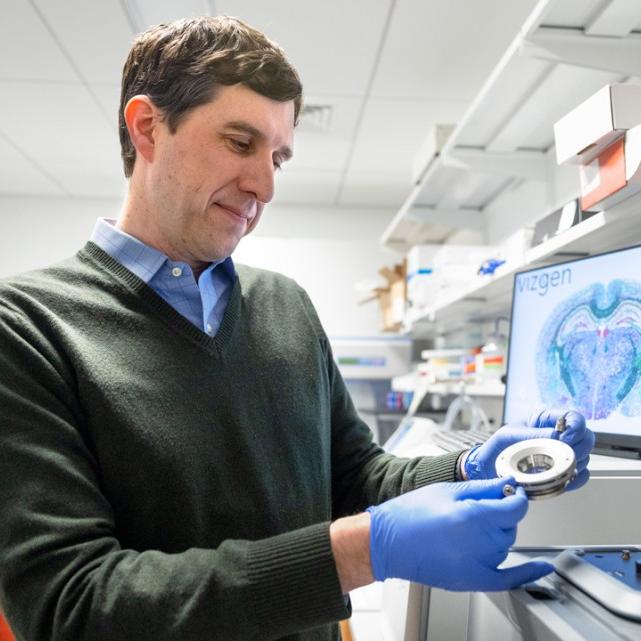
181 65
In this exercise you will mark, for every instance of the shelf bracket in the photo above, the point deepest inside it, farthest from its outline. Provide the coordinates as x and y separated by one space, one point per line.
459 218
619 55
530 165
617 18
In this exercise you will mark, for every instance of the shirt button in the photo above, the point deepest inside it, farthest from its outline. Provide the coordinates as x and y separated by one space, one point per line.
210 329
176 271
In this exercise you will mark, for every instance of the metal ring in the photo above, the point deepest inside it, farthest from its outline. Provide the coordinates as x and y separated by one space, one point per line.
543 467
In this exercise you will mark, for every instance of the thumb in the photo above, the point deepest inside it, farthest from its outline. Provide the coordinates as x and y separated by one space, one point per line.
483 489
519 574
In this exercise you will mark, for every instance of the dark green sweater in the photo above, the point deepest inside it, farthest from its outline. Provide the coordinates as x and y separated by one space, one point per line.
157 483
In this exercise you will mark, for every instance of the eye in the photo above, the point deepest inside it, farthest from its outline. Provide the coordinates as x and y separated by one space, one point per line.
278 164
242 146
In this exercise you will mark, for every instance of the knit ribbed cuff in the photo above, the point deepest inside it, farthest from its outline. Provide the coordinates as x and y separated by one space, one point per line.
437 469
294 581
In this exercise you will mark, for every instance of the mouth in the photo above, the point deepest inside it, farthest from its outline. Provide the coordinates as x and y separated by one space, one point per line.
235 213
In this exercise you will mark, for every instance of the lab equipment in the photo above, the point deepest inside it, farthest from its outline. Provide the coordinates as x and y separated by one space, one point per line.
575 343
594 595
482 460
412 535
611 577
452 440
478 418
542 467
589 517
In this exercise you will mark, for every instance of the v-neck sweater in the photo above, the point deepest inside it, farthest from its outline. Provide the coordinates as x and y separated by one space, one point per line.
157 483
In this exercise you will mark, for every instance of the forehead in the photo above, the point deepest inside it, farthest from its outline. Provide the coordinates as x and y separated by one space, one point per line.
237 103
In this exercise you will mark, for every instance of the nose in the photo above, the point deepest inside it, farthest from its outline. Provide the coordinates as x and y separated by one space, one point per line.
258 179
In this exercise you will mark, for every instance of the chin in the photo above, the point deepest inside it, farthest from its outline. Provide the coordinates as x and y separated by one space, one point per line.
222 252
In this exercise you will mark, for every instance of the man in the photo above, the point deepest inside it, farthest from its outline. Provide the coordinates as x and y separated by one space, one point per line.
179 456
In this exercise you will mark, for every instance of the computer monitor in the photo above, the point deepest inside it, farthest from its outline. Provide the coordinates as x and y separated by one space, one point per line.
575 342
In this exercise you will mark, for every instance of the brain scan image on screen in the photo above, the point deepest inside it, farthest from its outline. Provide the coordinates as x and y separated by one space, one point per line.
589 351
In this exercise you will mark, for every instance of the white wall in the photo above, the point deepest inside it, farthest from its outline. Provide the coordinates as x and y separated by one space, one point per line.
37 231
526 202
328 251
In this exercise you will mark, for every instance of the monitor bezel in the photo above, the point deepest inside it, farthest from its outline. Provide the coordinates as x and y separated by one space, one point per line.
608 443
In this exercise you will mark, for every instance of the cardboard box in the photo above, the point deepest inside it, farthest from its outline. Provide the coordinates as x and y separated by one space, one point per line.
392 298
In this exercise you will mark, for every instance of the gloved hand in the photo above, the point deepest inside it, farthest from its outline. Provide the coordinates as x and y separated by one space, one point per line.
481 460
452 536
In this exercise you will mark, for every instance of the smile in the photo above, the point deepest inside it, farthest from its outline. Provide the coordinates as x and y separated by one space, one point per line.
233 213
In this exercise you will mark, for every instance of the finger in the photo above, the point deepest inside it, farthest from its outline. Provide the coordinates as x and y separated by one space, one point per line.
580 440
581 479
574 420
582 451
494 559
508 578
484 489
509 535
582 464
575 434
536 432
544 417
506 512
511 434
503 538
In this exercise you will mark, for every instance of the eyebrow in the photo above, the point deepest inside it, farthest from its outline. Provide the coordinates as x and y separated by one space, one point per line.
245 127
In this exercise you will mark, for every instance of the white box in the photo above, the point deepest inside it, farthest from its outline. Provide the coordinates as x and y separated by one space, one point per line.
513 248
422 286
422 290
458 264
420 259
614 175
588 129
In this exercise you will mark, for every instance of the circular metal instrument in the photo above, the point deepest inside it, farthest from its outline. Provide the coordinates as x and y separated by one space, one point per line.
543 467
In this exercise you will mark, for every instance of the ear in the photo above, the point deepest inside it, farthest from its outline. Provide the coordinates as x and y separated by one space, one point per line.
142 118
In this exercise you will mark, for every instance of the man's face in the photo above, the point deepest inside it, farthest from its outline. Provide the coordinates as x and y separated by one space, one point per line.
209 181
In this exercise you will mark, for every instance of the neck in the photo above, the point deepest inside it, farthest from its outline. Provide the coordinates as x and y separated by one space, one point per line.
137 219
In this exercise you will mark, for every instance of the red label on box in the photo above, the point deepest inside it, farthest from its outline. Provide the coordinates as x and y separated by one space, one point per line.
604 175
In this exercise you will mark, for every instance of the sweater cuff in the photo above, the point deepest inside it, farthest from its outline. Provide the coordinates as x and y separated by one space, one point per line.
437 469
294 581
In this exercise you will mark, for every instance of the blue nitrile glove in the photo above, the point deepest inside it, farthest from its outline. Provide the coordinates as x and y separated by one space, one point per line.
452 536
481 460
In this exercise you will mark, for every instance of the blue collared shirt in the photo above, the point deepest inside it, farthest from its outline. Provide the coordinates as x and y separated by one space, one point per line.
202 302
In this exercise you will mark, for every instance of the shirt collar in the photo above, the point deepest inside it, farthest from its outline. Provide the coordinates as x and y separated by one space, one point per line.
138 257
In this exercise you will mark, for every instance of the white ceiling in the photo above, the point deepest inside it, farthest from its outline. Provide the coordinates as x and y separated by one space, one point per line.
390 69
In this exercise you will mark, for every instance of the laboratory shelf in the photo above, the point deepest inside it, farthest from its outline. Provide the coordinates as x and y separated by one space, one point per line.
485 297
503 147
415 380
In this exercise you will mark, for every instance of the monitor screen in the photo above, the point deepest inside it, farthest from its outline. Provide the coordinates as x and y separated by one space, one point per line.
575 342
